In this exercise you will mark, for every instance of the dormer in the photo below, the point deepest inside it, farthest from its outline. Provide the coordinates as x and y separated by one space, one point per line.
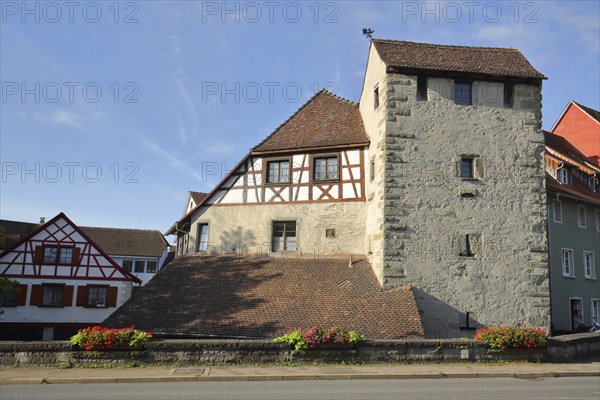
563 175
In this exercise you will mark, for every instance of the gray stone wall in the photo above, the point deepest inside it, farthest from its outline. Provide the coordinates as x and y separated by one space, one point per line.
429 210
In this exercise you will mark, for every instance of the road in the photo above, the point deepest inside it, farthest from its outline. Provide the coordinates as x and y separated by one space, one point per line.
488 389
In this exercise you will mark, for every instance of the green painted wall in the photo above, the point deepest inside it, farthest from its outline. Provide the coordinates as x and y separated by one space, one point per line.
569 235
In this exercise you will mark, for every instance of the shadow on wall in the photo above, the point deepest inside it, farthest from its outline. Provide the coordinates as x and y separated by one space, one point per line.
240 241
441 321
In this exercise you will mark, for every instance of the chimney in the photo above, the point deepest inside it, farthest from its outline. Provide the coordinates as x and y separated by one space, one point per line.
42 220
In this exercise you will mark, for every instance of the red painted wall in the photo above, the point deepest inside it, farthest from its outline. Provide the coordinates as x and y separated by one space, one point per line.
581 130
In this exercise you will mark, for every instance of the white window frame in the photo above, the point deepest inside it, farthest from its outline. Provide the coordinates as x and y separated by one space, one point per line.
571 270
579 222
562 176
592 273
554 213
598 220
202 245
595 313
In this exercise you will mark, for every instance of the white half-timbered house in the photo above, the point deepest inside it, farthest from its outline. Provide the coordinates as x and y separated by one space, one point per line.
310 172
66 281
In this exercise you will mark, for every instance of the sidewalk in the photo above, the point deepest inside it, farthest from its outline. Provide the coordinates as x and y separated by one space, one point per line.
254 373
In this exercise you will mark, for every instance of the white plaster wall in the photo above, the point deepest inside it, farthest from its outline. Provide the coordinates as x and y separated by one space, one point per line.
374 122
247 228
73 314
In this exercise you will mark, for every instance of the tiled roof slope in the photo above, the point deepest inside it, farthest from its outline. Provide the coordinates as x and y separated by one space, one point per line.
14 231
562 145
128 242
198 196
501 62
593 113
264 297
325 120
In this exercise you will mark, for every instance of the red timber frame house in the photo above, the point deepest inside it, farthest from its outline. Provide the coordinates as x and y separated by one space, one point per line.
65 282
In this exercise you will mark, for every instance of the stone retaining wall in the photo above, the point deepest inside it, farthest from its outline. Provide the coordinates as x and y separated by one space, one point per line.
189 352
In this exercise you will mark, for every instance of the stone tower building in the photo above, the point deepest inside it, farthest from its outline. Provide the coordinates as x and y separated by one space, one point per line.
456 203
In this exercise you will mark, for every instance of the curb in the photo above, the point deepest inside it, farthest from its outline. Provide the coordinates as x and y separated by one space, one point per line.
246 378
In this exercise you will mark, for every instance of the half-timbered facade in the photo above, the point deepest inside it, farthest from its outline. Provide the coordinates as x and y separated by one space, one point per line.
65 280
300 191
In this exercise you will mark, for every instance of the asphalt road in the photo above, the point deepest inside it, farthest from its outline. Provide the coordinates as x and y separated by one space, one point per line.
488 389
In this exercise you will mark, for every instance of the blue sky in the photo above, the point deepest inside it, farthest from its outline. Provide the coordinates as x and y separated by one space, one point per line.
113 111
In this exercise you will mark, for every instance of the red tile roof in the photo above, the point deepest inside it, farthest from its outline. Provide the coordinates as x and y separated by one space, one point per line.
325 120
198 196
492 61
264 297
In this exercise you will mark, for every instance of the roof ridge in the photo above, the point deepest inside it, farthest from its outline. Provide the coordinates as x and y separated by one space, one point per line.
322 91
447 45
121 229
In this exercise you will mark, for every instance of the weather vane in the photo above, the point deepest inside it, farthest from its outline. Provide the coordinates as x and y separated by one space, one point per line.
368 32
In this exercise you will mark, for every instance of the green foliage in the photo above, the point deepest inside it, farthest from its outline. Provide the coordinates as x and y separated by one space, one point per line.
8 286
65 365
99 338
512 337
307 339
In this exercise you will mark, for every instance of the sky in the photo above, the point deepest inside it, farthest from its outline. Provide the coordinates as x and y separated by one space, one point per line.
112 111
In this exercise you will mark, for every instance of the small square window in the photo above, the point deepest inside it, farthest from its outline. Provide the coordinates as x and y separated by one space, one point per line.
329 233
462 93
52 295
151 266
128 265
465 247
65 255
139 266
97 296
284 236
325 168
466 167
50 253
581 218
278 171
376 97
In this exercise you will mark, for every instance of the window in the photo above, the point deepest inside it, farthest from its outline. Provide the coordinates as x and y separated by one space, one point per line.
372 170
50 253
97 296
65 255
52 295
139 266
567 263
202 237
330 233
151 266
278 171
466 167
581 220
596 311
562 175
8 297
376 97
588 265
557 211
284 236
462 93
466 248
593 183
598 220
325 168
508 94
421 88
128 265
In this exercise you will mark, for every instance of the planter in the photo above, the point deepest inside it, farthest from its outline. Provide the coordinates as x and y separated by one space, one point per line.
120 347
333 346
